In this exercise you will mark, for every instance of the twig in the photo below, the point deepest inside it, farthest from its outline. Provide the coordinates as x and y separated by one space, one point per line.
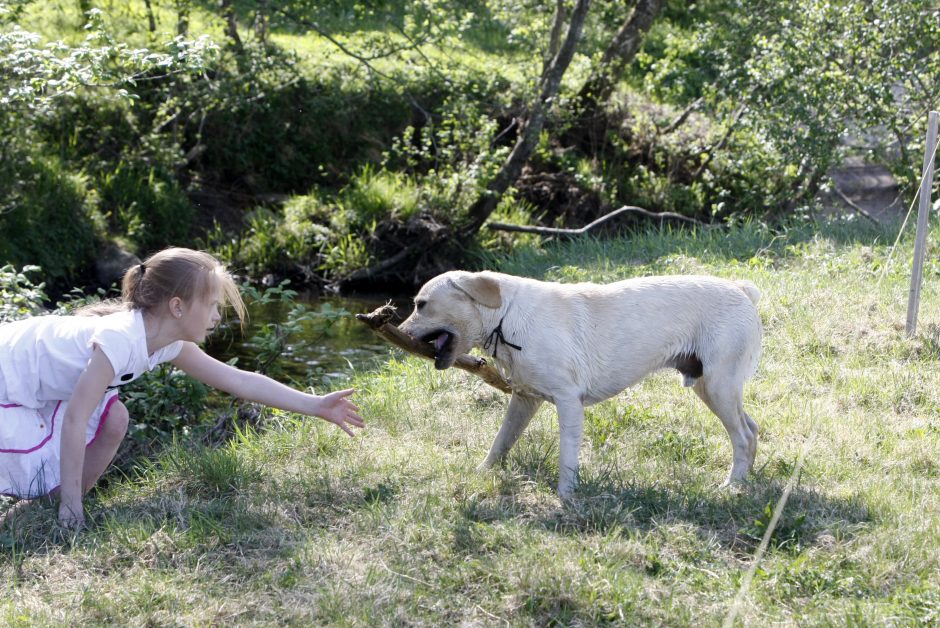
852 204
377 320
500 226
711 150
371 271
682 117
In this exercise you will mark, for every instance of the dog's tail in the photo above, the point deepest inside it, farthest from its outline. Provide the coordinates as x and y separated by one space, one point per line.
749 289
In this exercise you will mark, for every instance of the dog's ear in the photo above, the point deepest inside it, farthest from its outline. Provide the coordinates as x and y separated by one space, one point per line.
481 288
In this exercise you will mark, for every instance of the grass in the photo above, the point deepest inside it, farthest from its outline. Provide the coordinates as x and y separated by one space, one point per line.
295 524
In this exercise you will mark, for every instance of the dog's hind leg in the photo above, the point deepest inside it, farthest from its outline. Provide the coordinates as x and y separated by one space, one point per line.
520 411
724 398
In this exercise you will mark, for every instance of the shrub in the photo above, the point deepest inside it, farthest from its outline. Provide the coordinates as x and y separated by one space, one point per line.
149 208
48 220
19 296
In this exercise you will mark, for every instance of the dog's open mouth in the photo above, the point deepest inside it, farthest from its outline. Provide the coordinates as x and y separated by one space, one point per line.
443 343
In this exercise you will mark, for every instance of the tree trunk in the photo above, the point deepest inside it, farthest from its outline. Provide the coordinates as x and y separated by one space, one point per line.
619 54
528 137
261 21
231 26
151 21
182 18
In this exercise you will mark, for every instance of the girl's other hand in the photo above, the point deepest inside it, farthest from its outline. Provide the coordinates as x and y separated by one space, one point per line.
336 407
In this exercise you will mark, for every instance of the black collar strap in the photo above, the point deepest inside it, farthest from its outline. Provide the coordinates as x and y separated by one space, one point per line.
496 336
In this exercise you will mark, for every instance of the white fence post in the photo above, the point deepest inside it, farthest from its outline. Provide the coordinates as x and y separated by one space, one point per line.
923 212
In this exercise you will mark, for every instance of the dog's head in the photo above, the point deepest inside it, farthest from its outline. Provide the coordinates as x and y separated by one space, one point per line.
447 313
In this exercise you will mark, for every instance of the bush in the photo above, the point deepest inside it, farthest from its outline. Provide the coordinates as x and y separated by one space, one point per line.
19 296
285 132
48 220
149 208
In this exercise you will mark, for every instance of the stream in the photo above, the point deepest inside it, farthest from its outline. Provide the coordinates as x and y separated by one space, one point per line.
324 352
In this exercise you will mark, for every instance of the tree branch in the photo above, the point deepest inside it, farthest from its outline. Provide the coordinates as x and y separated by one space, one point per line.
550 81
626 209
710 151
620 53
852 204
680 120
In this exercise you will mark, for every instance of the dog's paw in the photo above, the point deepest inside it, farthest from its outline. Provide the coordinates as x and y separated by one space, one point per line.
733 486
486 465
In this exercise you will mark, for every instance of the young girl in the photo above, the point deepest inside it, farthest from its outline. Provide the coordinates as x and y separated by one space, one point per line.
60 419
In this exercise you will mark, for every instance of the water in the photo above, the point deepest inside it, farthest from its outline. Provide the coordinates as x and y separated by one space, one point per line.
325 351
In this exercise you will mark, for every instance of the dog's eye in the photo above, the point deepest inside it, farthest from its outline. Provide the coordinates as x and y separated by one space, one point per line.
419 305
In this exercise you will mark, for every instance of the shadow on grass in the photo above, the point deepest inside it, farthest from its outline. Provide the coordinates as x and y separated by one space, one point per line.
197 527
736 518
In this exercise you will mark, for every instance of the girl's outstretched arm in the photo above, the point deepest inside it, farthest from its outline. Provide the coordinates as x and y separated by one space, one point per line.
334 407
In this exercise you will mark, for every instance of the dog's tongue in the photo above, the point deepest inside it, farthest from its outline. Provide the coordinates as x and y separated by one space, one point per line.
440 341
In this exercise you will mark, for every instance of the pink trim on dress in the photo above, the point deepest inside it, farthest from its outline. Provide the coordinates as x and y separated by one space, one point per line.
9 405
44 441
104 416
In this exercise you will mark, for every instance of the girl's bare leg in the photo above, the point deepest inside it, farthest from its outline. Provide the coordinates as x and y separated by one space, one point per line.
101 453
98 456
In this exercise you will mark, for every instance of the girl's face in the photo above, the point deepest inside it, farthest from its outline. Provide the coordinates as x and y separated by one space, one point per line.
200 316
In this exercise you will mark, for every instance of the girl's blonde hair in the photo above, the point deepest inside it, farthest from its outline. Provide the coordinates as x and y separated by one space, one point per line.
174 272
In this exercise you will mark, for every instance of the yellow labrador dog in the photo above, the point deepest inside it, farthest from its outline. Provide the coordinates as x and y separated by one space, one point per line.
574 345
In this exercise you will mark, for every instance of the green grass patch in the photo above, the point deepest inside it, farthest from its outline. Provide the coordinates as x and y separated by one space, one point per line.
296 524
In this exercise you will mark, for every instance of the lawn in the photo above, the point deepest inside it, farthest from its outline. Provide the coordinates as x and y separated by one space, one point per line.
296 524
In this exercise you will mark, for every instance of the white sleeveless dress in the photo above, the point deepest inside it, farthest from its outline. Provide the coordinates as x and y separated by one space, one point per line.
41 359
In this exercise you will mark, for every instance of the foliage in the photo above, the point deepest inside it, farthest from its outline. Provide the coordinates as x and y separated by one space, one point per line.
163 405
19 296
45 199
816 81
36 76
148 208
370 115
48 218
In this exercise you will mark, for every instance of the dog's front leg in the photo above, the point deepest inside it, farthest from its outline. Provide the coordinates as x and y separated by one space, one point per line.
571 428
520 411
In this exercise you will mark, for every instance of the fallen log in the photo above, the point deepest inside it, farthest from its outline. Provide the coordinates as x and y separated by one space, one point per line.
378 321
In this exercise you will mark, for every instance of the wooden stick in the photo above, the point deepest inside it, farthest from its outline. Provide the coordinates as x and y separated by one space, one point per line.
377 320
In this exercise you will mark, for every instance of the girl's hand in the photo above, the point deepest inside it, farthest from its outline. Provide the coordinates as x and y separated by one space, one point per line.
335 407
71 516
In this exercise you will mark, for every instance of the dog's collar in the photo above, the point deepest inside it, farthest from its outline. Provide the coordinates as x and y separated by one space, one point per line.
496 336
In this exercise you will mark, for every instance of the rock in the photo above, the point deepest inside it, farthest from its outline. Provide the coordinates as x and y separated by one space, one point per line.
864 188
112 263
864 180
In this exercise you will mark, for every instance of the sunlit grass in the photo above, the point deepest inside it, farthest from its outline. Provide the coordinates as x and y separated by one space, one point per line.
295 523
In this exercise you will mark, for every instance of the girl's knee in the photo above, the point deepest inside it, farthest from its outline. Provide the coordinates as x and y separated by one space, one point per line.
116 422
